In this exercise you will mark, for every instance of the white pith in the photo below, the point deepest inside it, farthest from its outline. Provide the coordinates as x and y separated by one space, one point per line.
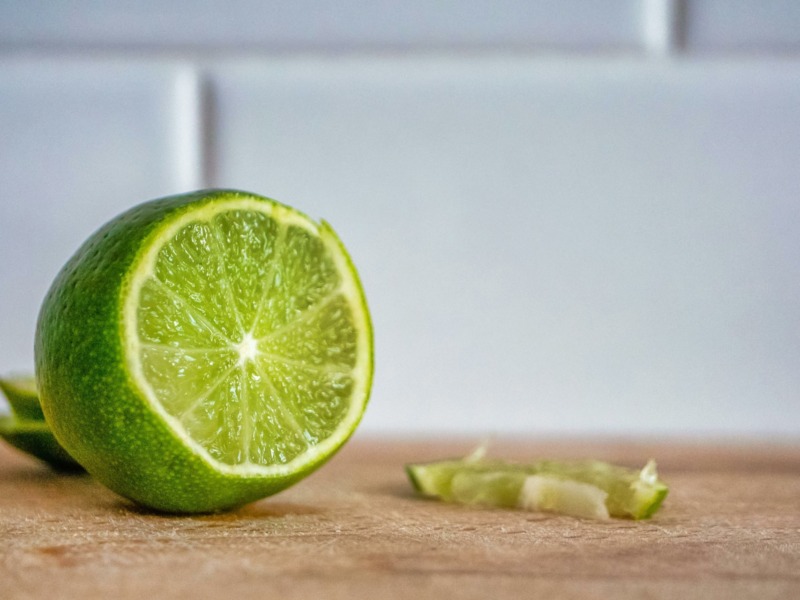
246 348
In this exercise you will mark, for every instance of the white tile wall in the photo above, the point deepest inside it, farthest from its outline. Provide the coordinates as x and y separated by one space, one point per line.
551 241
80 142
606 246
304 24
763 26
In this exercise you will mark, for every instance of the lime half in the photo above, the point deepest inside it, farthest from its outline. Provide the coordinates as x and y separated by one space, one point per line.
205 350
589 488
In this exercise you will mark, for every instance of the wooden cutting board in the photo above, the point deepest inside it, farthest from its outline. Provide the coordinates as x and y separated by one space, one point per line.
729 529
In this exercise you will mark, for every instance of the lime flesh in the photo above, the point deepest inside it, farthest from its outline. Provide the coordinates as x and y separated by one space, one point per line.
222 350
243 333
588 488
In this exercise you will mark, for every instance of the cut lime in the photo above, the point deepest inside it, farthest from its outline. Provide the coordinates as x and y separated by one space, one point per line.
205 350
25 427
589 488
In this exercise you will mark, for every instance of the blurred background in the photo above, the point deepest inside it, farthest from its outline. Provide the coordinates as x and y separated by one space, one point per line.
569 216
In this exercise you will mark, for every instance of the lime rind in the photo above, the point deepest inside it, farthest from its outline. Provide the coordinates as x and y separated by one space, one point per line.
26 429
22 397
649 492
568 487
36 439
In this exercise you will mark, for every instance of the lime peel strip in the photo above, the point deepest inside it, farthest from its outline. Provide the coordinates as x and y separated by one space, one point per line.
573 498
589 489
25 427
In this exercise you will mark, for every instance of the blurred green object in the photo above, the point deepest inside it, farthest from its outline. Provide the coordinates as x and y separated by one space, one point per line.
22 397
26 429
580 488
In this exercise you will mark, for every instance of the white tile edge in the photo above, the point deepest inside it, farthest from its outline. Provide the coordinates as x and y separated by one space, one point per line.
189 128
661 26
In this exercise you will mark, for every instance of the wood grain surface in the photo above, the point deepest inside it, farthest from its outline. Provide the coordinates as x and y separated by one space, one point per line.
730 529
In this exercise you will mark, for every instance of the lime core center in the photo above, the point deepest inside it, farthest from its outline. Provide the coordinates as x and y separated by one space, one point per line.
247 349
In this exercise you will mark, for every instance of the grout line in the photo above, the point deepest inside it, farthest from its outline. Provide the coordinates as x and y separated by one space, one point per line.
208 129
662 26
189 130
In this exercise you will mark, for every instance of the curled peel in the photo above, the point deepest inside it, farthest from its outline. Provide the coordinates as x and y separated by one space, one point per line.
589 489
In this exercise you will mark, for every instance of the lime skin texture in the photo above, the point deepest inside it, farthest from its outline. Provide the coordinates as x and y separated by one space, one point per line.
91 401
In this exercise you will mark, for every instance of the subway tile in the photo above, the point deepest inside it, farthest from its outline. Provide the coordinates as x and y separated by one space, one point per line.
80 143
314 24
605 246
771 26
